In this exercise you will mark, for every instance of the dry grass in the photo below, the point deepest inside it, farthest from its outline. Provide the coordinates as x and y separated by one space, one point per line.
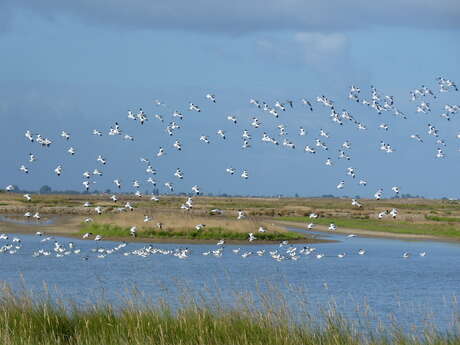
260 210
187 220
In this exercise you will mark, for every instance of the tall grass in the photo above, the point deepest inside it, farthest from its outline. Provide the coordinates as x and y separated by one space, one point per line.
208 233
43 321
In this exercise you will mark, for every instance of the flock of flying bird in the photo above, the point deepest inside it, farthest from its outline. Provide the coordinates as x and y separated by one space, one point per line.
423 98
60 249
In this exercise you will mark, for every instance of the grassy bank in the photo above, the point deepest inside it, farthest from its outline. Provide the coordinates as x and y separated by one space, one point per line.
446 229
208 233
28 321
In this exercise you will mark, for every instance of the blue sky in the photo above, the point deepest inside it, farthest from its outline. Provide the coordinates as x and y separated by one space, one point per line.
81 65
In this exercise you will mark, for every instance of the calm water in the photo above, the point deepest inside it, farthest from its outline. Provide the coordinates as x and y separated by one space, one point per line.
414 290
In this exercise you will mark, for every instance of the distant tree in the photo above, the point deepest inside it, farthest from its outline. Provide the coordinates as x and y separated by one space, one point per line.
45 189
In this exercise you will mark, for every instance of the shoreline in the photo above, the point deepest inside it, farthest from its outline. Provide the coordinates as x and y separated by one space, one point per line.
69 226
369 233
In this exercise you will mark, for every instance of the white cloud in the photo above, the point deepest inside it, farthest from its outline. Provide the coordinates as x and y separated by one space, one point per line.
242 16
311 48
316 47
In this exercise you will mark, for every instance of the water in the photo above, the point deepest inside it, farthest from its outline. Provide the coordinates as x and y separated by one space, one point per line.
19 219
413 290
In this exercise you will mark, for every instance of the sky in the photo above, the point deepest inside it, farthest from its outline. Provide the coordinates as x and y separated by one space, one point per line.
81 65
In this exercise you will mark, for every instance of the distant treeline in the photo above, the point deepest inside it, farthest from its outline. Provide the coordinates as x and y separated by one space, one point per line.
48 190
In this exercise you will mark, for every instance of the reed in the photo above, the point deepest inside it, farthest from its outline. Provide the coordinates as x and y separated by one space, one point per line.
27 320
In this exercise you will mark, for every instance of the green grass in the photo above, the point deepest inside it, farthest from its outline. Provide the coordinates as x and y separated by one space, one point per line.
442 219
208 233
44 321
391 226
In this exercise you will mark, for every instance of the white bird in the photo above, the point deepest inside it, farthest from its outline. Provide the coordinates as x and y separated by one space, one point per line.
221 132
440 153
86 184
179 174
97 172
255 122
65 135
354 202
24 169
232 118
211 97
382 214
394 213
341 185
194 107
32 158
177 145
241 215
100 159
133 231
29 136
199 226
72 151
58 170
205 139
416 137
161 152
169 185
323 133
196 190
245 174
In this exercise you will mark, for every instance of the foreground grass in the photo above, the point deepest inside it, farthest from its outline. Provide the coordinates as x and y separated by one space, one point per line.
27 321
208 233
390 226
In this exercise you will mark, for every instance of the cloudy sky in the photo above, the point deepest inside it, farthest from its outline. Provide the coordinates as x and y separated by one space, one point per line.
79 65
